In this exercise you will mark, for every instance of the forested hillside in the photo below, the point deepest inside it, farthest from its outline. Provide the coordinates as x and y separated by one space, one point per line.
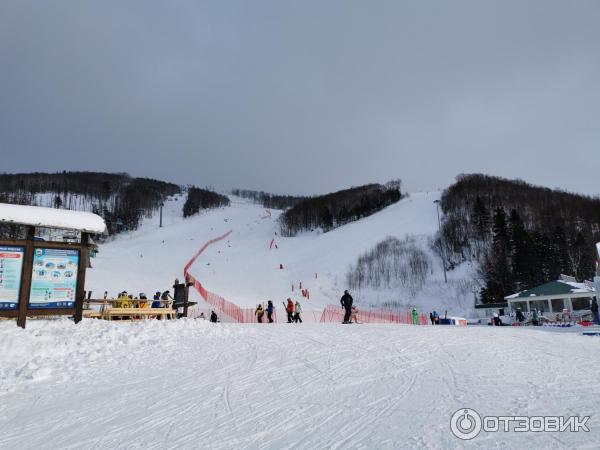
198 199
338 208
119 198
268 200
522 235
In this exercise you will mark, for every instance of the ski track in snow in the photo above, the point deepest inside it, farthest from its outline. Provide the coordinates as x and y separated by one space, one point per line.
192 384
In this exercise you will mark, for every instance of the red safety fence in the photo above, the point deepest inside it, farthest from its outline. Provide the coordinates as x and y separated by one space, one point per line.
224 306
331 313
335 314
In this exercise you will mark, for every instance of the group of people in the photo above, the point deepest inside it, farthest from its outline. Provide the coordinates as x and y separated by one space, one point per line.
125 300
260 312
293 310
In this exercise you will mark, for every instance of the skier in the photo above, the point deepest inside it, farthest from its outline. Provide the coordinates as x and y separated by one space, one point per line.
535 317
436 317
432 318
290 310
520 316
346 302
595 311
260 312
270 311
298 311
213 317
415 316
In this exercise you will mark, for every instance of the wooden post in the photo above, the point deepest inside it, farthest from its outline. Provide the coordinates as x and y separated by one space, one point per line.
80 293
26 278
186 296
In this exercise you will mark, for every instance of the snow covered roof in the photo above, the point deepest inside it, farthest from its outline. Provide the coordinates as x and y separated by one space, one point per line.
558 288
52 218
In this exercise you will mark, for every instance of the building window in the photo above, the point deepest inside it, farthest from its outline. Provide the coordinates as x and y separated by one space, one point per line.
540 305
581 303
521 305
558 304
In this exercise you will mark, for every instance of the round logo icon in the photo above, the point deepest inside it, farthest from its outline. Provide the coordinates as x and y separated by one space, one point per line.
465 424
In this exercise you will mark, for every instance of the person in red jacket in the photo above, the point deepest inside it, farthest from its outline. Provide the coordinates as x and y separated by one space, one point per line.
290 310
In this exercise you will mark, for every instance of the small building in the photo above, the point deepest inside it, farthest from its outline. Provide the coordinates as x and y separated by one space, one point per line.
554 297
487 310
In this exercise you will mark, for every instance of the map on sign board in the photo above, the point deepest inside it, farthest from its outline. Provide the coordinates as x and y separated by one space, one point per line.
54 278
11 266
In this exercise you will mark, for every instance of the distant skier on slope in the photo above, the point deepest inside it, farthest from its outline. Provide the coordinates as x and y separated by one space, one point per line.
213 317
346 302
270 309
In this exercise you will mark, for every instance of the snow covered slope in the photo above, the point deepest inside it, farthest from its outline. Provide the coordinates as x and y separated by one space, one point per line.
244 268
189 384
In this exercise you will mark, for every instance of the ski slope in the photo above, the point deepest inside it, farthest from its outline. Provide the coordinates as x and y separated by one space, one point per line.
245 270
190 384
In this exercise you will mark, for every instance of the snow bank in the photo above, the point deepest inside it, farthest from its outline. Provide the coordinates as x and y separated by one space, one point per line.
192 384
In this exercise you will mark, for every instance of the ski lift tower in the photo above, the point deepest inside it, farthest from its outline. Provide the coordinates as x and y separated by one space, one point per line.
45 278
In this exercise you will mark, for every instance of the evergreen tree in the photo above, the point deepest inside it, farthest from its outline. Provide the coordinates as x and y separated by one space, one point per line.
520 252
497 270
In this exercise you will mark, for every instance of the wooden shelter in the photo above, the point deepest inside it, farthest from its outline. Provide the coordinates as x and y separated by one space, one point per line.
45 278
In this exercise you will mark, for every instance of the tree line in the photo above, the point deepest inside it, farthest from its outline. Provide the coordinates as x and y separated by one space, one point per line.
330 211
120 199
272 201
199 199
521 235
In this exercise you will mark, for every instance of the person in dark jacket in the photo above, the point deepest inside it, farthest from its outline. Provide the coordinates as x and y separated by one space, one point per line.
213 317
346 302
519 315
270 309
595 311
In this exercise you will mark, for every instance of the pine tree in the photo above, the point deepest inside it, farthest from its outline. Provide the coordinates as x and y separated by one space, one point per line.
520 252
497 270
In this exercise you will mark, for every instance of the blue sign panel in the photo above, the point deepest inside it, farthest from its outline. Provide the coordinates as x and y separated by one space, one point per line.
11 269
54 278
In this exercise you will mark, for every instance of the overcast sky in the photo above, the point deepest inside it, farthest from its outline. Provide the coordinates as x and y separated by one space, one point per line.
303 96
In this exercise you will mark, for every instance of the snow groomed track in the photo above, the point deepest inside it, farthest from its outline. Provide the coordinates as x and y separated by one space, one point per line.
190 384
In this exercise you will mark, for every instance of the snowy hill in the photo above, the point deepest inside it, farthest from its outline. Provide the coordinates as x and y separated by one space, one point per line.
244 268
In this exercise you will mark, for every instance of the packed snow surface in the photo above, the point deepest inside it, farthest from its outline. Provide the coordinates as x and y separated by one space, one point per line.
41 216
245 268
193 384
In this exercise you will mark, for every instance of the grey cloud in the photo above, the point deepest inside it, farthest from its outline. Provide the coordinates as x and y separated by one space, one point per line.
303 97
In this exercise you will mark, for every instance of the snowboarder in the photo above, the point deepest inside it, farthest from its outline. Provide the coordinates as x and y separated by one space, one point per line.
595 311
432 318
436 317
289 308
270 309
297 312
415 316
260 312
496 320
346 302
213 317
